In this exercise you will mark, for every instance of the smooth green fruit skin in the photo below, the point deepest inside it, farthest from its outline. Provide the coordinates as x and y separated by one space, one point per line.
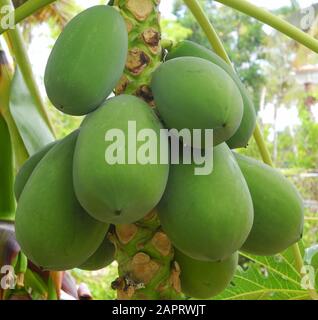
28 167
242 136
117 193
100 259
207 217
278 208
87 60
52 228
205 279
194 93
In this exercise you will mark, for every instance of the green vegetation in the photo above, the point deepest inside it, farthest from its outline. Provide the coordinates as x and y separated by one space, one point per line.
194 204
121 192
243 38
28 167
243 134
188 243
78 84
99 282
278 209
101 258
63 226
205 279
194 93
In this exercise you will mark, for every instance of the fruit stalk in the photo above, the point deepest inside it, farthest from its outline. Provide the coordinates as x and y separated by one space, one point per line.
262 146
208 29
144 49
144 253
217 45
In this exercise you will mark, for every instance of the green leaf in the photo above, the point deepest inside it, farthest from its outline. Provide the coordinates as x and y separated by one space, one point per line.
266 278
32 127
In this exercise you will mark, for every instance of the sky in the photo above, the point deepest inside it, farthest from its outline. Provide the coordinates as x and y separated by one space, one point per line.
39 51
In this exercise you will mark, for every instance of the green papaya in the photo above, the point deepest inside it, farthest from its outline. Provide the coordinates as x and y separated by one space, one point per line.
103 256
278 208
109 186
52 228
194 93
242 136
28 167
207 217
205 279
87 60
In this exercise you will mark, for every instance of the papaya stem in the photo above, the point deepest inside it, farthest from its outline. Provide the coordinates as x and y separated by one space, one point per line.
208 29
26 10
144 253
262 146
218 47
15 42
275 22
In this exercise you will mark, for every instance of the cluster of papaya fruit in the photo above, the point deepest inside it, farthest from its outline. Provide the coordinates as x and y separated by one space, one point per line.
68 196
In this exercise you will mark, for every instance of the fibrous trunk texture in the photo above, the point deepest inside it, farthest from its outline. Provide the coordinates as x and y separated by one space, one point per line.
144 253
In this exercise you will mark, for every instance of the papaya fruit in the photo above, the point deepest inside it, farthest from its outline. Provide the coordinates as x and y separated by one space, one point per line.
87 60
103 257
194 93
278 208
205 279
207 217
52 228
117 190
28 167
243 134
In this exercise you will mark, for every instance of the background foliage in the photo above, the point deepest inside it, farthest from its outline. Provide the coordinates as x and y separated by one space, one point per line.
267 63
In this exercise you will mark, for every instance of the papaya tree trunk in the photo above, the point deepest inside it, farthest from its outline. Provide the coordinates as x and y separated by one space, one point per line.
144 253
